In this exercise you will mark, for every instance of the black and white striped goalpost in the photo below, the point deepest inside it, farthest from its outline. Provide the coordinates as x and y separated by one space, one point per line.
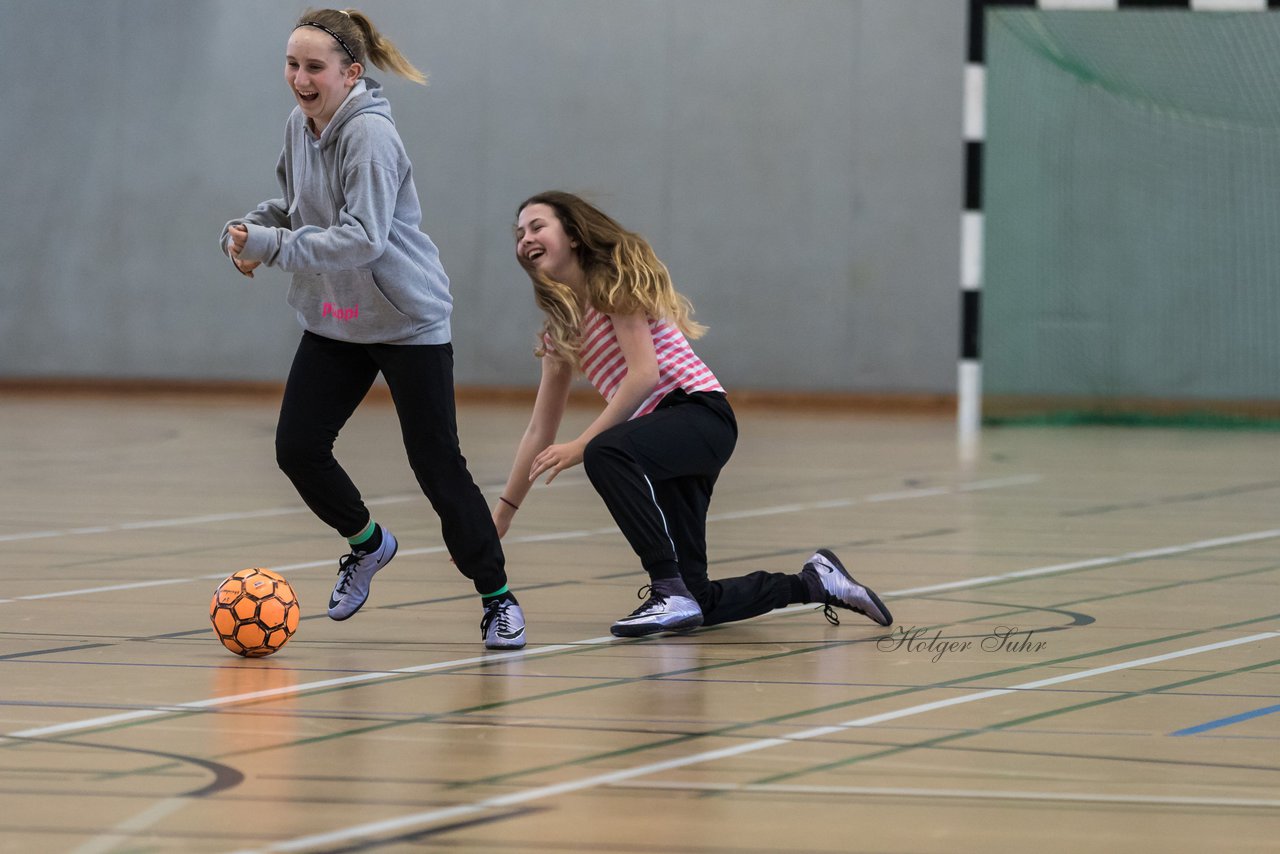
969 381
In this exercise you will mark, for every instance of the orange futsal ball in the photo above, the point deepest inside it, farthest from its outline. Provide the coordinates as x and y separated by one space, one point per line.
254 612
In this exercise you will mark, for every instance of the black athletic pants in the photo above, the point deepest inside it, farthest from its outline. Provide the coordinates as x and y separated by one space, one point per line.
656 474
327 382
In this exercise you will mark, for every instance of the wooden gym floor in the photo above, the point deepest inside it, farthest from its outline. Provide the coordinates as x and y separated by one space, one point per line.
1086 655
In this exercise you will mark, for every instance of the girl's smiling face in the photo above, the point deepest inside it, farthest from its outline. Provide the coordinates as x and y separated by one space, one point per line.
543 245
313 69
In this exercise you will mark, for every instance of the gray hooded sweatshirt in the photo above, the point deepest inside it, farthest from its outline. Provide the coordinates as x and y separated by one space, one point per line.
348 230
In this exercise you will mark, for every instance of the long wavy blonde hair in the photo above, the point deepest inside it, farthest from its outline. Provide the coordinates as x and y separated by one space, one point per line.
361 37
623 274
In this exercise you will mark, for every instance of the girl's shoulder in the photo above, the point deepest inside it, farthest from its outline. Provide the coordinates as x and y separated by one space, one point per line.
371 132
372 123
295 120
593 316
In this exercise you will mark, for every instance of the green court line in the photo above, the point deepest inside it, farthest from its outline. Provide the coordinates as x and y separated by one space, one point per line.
722 731
435 716
590 647
947 596
1000 725
727 730
547 695
846 704
884 695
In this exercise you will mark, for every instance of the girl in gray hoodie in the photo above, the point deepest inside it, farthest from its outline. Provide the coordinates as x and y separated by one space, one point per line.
372 297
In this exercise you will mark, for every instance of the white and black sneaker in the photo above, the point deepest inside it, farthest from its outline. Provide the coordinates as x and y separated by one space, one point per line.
502 625
669 608
355 573
832 585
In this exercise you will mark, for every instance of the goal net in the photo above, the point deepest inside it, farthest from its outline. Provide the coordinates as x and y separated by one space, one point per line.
1131 194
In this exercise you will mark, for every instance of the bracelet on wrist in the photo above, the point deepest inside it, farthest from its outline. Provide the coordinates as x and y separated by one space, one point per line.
509 503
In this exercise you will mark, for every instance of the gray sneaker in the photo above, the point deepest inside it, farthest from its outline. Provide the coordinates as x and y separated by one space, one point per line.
502 625
355 573
669 608
832 585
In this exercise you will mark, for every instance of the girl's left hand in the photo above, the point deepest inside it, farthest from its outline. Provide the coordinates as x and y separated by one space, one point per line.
239 236
555 459
245 267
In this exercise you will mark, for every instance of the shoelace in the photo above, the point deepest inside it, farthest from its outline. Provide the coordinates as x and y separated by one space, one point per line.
828 601
652 599
830 612
495 611
347 570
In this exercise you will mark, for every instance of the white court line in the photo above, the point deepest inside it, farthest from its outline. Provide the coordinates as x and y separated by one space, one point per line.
227 517
289 567
527 538
196 705
213 702
979 581
1166 551
199 520
965 794
418 820
400 499
124 832
181 520
907 493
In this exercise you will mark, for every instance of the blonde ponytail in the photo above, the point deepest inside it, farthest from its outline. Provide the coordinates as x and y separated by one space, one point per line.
382 52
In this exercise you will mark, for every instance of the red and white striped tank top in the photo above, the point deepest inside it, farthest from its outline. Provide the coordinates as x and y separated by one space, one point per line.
678 365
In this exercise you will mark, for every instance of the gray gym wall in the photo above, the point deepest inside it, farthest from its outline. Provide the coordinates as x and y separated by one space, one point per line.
797 164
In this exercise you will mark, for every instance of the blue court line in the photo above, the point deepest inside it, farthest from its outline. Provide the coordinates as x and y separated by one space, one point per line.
1221 722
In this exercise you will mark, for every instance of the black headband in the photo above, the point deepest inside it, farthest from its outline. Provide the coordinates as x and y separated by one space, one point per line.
336 37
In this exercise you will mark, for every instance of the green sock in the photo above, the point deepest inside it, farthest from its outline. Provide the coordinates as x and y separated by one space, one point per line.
499 592
363 535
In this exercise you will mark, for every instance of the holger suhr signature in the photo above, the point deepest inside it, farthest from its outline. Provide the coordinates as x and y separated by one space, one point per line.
931 642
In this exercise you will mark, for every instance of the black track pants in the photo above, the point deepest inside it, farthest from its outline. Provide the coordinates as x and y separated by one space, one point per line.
327 382
656 474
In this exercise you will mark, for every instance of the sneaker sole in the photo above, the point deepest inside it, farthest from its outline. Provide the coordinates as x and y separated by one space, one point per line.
638 630
871 594
395 547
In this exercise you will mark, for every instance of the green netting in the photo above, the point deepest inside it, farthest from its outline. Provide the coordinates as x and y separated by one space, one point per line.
1131 191
1067 416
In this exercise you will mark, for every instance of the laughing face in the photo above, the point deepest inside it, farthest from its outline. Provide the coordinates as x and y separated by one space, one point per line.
314 71
543 245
